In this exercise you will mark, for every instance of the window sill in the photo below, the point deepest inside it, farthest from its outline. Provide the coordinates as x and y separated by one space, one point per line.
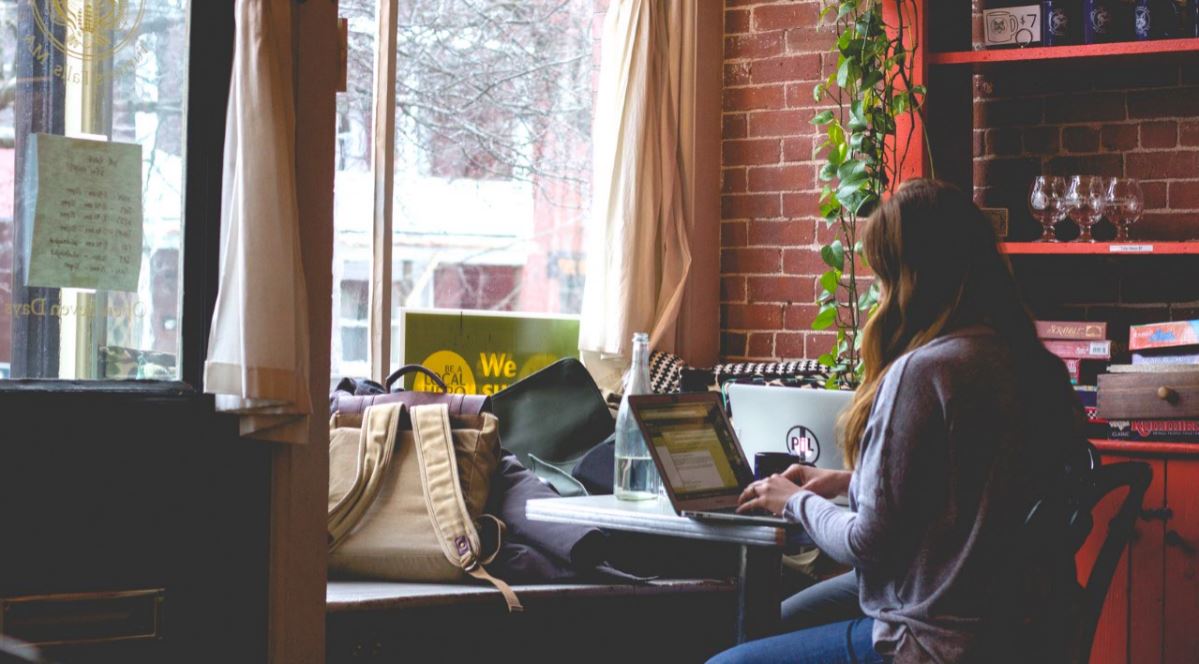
142 388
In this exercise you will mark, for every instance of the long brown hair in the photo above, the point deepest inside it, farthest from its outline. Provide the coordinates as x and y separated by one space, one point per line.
939 268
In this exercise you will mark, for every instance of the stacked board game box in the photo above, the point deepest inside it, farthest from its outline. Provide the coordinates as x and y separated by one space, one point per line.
1157 431
1085 349
1083 346
1174 343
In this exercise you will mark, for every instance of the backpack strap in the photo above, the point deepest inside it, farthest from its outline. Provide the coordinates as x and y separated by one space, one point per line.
456 531
376 445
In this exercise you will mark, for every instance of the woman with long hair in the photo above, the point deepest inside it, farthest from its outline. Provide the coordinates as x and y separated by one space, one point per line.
960 423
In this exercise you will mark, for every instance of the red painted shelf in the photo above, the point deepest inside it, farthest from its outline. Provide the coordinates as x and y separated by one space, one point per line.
1159 47
1134 447
1134 248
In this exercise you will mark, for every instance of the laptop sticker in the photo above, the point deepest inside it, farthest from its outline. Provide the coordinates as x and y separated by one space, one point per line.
803 443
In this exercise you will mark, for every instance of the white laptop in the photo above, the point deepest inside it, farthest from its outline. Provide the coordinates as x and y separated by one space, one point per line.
800 421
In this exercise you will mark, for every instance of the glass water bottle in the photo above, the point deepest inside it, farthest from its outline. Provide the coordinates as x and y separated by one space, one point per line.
636 478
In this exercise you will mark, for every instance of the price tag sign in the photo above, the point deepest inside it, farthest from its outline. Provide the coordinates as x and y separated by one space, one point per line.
1012 26
1131 249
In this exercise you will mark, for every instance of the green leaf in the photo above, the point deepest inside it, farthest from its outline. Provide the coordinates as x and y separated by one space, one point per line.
857 118
830 280
845 70
830 210
822 118
851 172
833 255
872 78
844 40
825 319
827 360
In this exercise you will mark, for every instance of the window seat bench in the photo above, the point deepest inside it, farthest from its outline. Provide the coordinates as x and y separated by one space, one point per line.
671 620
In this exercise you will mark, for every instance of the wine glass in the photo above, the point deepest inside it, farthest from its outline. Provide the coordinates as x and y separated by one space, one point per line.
1046 202
1125 204
1086 200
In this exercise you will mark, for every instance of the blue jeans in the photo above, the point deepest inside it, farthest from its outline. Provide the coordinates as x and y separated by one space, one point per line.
832 600
846 642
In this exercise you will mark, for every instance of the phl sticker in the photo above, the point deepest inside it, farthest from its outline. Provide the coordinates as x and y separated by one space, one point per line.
803 443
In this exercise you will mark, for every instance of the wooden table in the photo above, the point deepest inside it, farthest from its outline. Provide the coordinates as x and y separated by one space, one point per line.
761 547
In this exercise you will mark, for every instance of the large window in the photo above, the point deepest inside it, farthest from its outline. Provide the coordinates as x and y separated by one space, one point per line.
491 164
92 167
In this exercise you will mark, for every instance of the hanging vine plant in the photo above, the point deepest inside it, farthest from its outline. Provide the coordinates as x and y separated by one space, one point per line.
870 88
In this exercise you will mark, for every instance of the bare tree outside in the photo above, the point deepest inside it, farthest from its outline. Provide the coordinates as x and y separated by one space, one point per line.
493 156
486 90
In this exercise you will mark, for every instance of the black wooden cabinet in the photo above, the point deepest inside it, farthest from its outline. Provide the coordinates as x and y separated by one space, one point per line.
150 494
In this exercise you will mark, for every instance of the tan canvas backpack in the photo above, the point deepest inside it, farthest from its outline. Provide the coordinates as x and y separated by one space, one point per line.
407 488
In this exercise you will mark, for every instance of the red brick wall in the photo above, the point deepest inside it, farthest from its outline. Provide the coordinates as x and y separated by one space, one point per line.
1132 118
1105 118
773 55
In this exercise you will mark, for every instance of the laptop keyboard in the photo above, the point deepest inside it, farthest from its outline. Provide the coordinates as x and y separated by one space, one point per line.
733 510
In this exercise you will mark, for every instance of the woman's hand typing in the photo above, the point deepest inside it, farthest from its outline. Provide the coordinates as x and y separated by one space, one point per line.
820 481
770 495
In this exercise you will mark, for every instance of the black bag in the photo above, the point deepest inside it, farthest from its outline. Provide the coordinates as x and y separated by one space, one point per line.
551 419
596 471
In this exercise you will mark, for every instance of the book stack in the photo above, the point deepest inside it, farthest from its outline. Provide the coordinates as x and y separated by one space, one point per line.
1085 349
1170 350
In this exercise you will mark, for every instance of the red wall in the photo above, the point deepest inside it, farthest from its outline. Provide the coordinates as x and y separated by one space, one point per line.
1107 118
773 55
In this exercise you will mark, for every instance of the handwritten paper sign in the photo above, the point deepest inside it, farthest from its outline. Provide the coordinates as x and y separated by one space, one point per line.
87 216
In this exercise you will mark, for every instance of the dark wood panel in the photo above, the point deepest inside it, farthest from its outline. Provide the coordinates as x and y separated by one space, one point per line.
111 492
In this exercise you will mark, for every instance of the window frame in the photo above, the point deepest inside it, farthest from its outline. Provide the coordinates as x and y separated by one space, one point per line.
697 333
210 63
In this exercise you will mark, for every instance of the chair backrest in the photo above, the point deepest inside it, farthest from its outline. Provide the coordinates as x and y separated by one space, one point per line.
1101 482
1085 484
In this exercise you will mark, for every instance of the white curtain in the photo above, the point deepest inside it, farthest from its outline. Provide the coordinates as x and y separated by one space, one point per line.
258 351
638 254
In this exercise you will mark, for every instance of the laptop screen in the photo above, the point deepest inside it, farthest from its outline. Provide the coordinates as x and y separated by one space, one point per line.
695 447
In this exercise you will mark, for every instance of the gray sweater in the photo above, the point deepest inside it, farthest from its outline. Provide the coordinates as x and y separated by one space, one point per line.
942 484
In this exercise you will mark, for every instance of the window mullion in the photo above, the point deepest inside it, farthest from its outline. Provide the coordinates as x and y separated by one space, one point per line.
383 170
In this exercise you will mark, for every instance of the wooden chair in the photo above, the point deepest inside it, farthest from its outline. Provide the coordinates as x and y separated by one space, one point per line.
1086 484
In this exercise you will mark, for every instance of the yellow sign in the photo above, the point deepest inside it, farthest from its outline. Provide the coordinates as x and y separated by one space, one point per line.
485 352
91 29
454 371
